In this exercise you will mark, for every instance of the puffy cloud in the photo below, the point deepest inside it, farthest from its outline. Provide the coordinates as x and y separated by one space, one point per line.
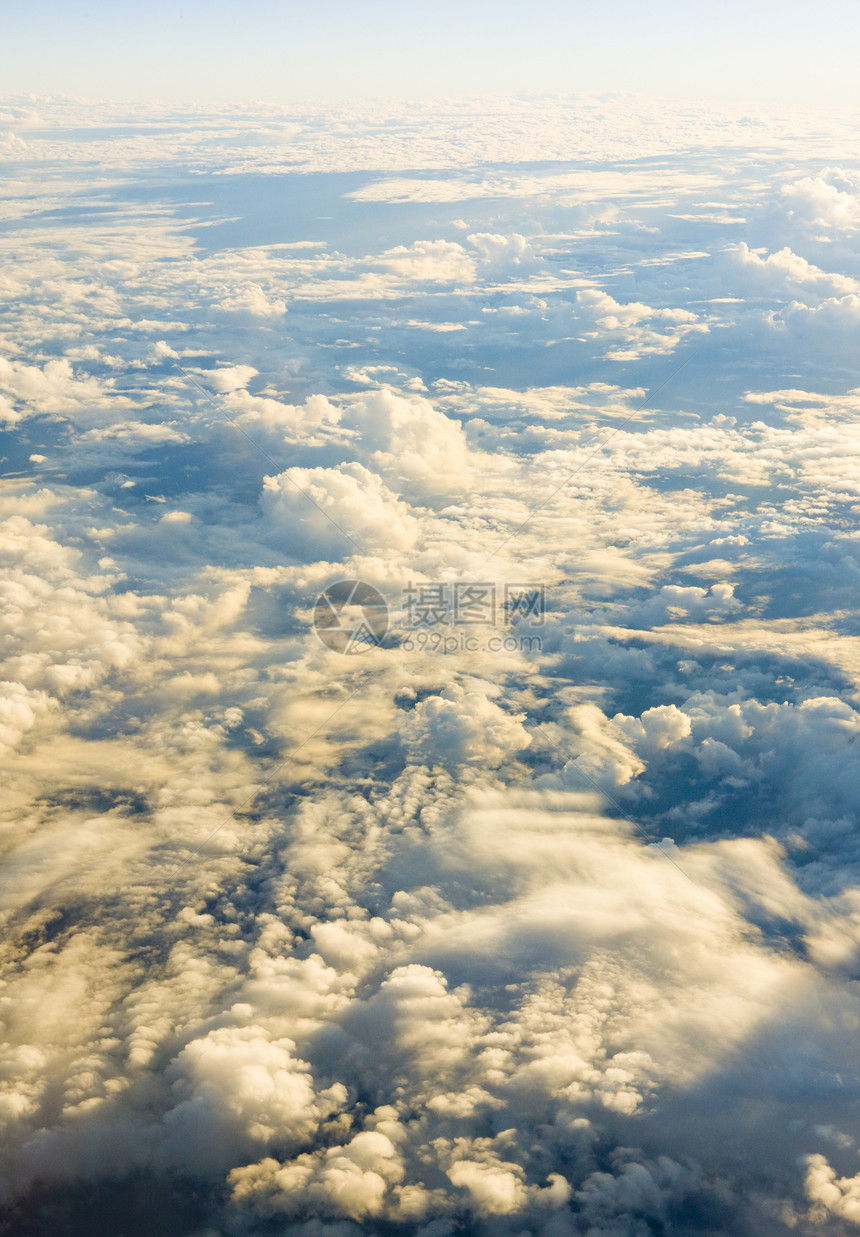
350 1180
322 511
463 728
50 388
19 711
604 752
839 314
229 377
419 451
829 199
253 301
243 1087
829 1194
429 261
785 270
500 250
638 325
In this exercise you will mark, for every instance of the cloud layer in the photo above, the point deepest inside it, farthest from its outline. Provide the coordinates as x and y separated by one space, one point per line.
543 923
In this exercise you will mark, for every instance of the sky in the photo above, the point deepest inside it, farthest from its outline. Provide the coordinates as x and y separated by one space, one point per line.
429 664
336 50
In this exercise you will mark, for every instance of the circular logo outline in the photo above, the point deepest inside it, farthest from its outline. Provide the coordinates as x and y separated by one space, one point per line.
350 617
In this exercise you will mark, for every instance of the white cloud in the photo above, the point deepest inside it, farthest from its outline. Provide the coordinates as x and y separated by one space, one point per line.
637 325
228 377
784 270
830 199
829 1194
19 711
242 1086
500 250
252 300
461 728
431 261
49 388
419 451
321 511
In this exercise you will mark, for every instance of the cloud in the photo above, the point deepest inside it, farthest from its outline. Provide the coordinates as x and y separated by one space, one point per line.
463 728
500 250
432 261
321 511
19 710
829 199
241 1086
253 301
829 1194
636 323
51 388
228 378
421 453
783 270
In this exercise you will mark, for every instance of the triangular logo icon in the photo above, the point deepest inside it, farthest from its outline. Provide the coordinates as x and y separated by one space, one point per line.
362 635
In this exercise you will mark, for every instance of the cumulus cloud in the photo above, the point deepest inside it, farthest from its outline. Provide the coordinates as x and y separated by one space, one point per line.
636 326
19 710
419 451
829 199
463 728
253 301
322 511
50 388
784 270
432 261
829 1194
500 250
229 377
240 1085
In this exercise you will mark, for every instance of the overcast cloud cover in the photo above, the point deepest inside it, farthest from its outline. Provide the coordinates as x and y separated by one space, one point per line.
555 934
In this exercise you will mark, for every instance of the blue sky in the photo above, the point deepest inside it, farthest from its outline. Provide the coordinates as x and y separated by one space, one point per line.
334 51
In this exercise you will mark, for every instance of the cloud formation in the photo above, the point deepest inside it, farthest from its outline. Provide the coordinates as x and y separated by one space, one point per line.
516 922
